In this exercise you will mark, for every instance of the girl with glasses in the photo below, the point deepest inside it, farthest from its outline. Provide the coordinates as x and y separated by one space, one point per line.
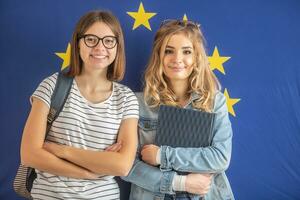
94 138
178 74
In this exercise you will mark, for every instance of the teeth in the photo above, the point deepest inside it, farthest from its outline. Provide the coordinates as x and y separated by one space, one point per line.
100 57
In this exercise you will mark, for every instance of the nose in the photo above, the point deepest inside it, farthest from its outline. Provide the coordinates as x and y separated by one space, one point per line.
178 57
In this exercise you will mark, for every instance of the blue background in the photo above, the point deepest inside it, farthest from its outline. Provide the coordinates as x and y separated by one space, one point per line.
261 37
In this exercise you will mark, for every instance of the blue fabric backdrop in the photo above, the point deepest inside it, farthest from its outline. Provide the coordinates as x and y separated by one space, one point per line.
261 78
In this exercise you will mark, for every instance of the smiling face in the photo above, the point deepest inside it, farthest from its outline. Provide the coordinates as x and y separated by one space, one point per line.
98 57
178 58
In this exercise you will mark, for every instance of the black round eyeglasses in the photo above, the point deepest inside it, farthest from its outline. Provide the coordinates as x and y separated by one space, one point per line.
91 41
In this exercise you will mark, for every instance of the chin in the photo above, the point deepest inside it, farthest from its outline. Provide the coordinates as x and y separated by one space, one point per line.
178 78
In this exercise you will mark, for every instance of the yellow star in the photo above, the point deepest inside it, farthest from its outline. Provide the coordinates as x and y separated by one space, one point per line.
65 56
230 102
141 17
216 61
184 18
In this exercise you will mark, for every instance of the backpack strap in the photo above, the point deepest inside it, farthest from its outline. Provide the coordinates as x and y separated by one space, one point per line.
58 98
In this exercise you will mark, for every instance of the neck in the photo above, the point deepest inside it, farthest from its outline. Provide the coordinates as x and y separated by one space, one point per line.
93 80
180 88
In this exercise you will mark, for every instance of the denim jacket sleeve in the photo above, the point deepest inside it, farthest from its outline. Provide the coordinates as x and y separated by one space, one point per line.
150 178
212 159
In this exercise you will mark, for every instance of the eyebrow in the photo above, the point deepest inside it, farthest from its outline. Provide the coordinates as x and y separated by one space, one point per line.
186 47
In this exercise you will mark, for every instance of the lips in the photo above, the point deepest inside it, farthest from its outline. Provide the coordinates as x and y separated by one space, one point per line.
176 68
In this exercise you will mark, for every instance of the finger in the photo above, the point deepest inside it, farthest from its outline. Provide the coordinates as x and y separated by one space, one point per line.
108 148
47 142
143 158
145 153
47 145
147 146
119 147
111 146
116 148
143 148
113 149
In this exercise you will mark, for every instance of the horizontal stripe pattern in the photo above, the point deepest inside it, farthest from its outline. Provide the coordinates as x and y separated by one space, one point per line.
83 124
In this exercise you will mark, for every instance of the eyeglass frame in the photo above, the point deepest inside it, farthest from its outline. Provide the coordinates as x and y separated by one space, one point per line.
167 22
85 35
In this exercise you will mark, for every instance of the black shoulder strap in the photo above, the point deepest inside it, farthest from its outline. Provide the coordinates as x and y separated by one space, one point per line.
59 97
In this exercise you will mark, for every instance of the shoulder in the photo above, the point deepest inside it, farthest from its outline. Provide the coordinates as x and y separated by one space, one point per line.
145 110
50 80
123 92
52 77
140 97
220 102
45 89
120 88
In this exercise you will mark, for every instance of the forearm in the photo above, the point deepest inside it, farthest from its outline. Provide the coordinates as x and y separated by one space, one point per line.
150 178
197 160
108 163
44 161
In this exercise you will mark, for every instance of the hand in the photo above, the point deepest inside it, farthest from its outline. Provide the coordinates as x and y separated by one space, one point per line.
114 147
54 148
149 154
198 183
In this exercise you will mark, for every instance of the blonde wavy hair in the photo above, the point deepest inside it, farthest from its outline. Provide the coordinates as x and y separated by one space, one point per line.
157 89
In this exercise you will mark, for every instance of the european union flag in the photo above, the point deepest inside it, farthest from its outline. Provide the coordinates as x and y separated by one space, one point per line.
253 48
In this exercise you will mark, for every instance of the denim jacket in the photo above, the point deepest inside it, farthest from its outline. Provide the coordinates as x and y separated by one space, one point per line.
150 182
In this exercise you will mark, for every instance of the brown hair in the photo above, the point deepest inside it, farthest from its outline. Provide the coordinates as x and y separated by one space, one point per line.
116 70
202 80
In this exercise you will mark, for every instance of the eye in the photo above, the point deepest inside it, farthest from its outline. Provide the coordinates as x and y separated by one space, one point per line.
187 52
168 51
109 41
91 39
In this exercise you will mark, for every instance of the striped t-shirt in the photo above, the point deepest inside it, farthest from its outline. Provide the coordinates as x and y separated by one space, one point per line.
85 125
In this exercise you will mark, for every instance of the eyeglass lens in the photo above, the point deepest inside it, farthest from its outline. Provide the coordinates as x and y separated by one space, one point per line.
108 42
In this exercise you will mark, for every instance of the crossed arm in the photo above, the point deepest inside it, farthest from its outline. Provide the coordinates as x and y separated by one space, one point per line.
199 161
151 178
74 162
